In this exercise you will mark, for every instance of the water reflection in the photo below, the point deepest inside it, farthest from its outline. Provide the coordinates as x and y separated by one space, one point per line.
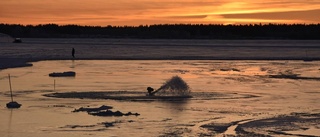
10 123
108 75
72 64
219 89
176 107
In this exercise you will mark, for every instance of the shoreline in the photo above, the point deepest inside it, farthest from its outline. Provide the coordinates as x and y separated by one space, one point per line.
6 63
14 55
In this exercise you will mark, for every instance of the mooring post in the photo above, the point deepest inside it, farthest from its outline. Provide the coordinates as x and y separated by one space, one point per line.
10 88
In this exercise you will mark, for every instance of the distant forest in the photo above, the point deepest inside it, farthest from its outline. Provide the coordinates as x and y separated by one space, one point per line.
167 31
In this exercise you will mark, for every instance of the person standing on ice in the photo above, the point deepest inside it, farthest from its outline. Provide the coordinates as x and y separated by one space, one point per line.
73 51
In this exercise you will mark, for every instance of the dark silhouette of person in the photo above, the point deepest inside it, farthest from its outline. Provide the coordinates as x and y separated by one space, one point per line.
150 89
73 51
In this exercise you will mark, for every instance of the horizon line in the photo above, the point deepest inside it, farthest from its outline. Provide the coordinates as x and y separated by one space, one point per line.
147 25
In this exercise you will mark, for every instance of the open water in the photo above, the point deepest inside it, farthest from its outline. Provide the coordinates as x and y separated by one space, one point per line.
230 97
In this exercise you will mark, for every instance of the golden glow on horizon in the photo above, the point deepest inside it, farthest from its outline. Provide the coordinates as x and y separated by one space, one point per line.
142 12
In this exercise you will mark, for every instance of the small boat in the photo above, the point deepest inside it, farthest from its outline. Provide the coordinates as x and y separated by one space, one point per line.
17 40
13 104
63 74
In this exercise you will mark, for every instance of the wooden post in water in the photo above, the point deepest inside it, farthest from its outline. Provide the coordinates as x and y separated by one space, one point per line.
10 88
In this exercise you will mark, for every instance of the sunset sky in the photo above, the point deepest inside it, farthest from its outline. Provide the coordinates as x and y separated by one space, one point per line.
148 12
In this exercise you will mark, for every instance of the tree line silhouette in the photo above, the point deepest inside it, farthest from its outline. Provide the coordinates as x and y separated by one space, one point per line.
166 31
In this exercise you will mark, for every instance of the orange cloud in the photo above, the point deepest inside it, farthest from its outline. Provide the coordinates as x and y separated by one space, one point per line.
136 12
289 16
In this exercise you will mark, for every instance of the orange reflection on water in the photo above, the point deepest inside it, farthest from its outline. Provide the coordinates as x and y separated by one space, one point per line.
45 116
108 75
